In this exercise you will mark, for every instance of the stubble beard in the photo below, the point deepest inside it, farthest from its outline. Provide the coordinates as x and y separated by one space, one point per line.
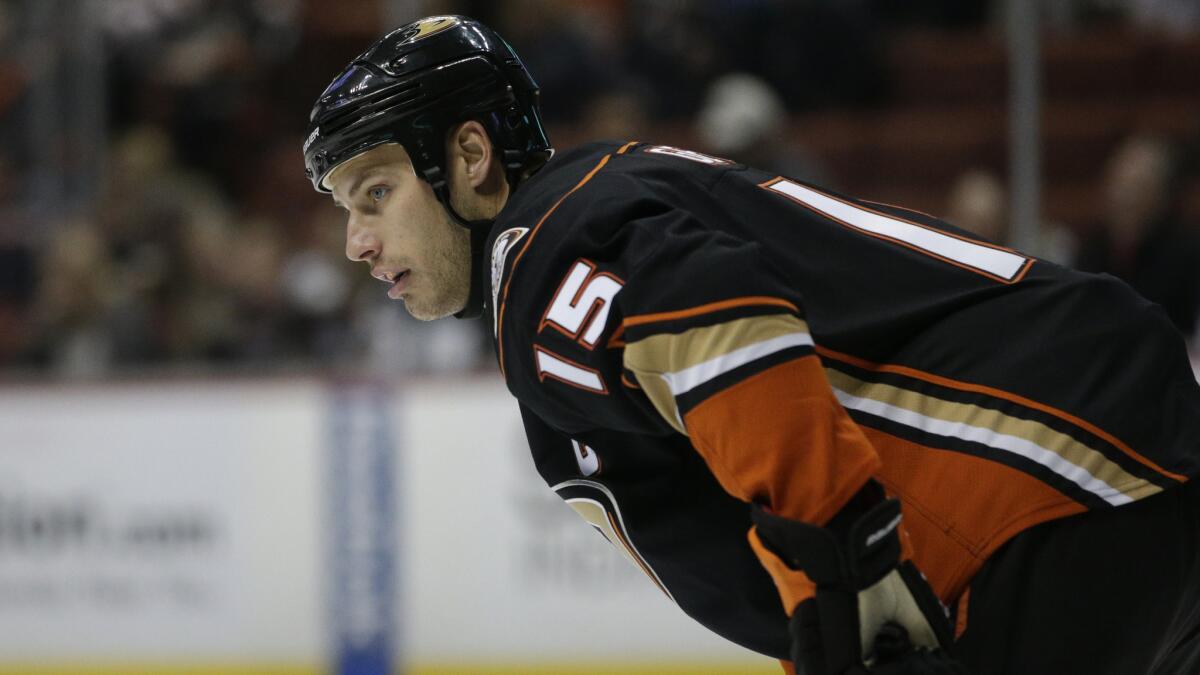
447 283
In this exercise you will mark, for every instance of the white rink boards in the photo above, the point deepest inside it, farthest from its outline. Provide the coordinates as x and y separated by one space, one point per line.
188 526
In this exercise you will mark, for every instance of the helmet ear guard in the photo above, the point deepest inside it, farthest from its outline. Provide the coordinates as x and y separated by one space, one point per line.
412 86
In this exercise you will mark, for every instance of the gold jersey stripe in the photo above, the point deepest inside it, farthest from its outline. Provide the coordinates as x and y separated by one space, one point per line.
1000 394
1071 451
655 360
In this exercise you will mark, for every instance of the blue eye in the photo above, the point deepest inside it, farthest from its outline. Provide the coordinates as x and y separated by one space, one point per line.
377 193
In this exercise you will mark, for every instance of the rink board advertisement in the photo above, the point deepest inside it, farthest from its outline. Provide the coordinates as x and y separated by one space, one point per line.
499 571
303 526
159 524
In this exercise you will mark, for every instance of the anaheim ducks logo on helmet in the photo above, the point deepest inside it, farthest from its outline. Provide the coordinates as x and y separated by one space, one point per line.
426 27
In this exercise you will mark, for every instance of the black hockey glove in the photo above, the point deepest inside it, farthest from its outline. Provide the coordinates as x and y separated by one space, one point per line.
872 613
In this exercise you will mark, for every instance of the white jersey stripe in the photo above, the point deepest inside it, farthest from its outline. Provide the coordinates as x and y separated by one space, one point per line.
1014 444
685 380
998 262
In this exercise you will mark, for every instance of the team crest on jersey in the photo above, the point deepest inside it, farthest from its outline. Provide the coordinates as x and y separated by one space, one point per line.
504 243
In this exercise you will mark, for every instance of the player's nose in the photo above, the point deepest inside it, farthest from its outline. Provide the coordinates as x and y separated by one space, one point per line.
361 242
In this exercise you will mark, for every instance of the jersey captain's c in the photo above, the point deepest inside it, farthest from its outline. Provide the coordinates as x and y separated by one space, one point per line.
687 335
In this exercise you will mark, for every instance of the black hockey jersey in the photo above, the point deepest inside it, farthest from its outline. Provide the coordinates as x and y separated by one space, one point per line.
687 335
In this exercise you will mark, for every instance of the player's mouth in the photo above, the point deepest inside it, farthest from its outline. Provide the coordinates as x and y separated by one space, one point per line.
399 284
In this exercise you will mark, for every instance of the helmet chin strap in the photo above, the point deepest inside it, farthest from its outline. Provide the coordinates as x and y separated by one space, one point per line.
479 230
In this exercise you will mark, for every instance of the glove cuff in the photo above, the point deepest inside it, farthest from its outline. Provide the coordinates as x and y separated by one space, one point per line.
873 543
871 546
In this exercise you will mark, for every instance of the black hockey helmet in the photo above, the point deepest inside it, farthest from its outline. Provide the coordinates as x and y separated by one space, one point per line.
415 83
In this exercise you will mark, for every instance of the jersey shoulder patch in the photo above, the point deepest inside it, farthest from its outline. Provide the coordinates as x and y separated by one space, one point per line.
504 244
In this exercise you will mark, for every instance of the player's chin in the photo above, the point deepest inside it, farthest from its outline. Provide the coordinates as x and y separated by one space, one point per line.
423 310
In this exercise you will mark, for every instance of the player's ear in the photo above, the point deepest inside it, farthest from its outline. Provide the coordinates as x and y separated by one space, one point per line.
471 150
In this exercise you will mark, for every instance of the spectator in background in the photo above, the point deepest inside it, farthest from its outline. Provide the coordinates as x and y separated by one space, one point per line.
78 296
561 48
315 292
14 94
674 45
1170 18
622 111
744 119
1175 18
945 14
816 54
1142 239
195 68
167 230
978 202
18 280
252 276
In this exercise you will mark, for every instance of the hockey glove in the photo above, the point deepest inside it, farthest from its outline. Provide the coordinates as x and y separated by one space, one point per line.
872 612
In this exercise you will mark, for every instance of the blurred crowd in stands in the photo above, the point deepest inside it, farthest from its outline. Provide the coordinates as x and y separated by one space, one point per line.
194 243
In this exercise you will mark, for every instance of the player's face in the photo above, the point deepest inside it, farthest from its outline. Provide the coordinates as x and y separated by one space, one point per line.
398 227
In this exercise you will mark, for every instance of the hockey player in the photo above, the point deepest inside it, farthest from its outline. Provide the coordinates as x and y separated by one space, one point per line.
934 454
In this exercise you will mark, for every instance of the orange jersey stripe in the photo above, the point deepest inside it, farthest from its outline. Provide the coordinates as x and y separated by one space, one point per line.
779 438
1000 393
954 524
642 319
617 341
